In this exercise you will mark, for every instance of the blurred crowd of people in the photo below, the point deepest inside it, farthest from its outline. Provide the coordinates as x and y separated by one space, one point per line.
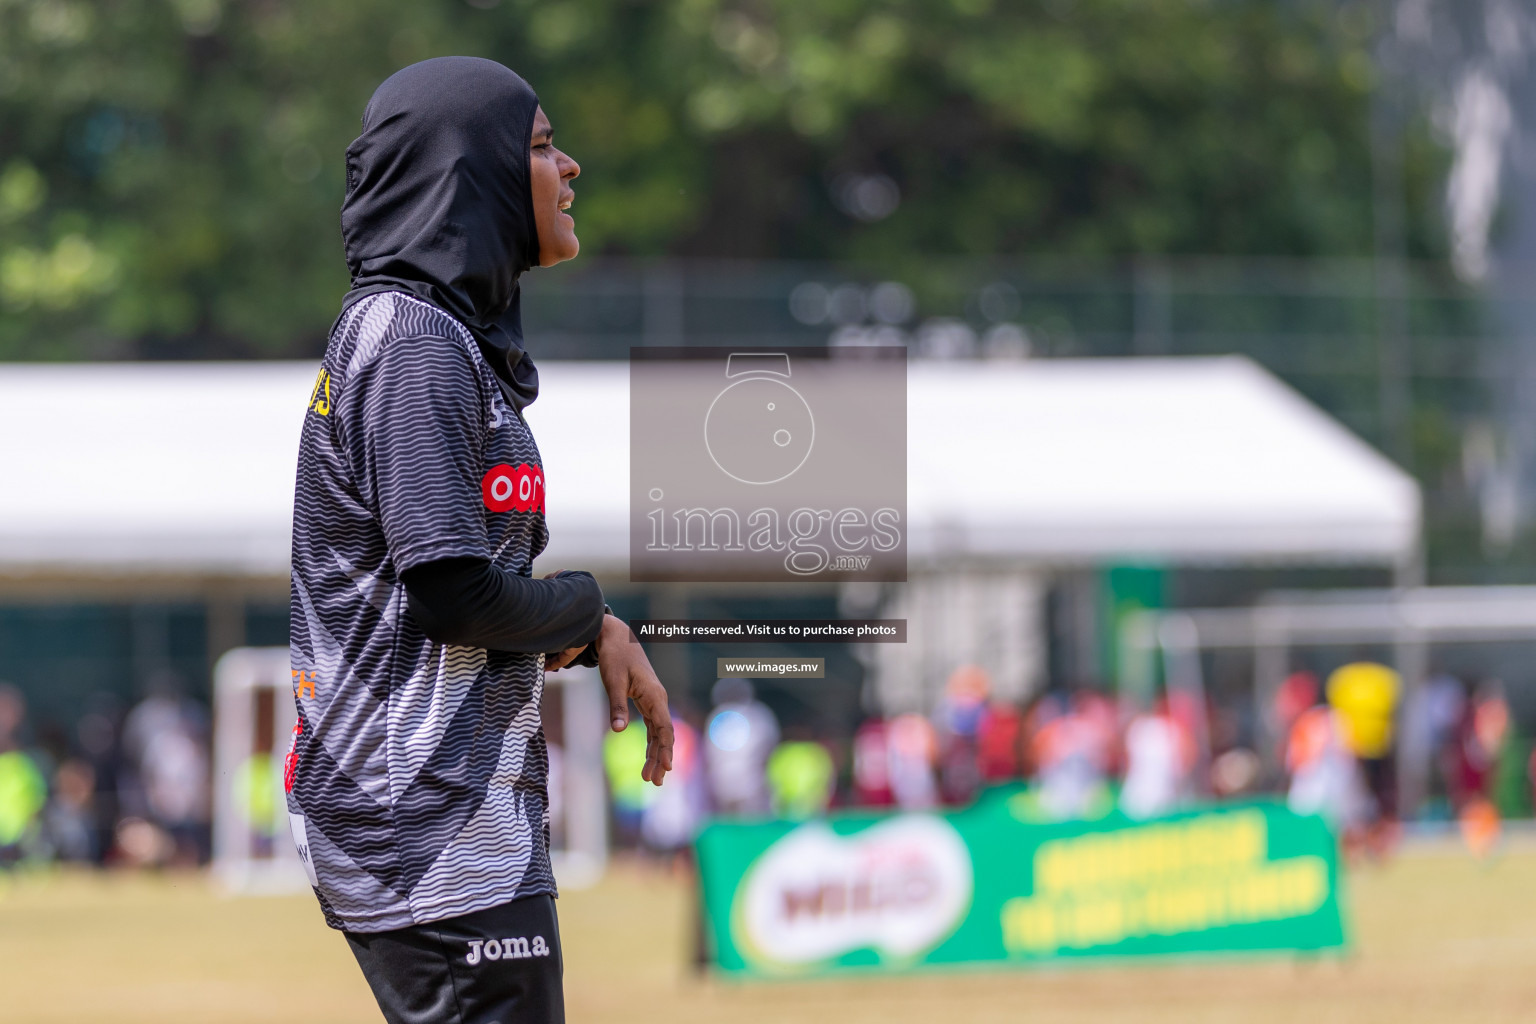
123 788
1081 755
132 785
1341 743
1071 755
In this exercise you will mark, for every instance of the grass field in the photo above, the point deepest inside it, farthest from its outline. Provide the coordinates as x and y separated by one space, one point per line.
1438 937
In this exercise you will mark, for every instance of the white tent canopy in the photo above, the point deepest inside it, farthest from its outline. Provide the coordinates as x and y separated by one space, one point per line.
141 468
1176 459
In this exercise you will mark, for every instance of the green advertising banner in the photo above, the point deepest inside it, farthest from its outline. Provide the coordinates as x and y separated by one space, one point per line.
989 885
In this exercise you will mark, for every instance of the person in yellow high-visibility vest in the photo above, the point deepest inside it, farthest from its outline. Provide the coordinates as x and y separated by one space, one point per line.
23 792
800 779
23 789
1365 695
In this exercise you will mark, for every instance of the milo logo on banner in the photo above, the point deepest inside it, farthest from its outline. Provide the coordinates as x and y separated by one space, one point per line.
899 888
992 884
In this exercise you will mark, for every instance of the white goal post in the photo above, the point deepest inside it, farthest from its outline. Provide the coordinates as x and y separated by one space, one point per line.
254 714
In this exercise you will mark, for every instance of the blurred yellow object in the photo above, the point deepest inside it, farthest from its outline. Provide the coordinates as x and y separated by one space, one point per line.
800 777
23 792
1365 695
256 785
623 759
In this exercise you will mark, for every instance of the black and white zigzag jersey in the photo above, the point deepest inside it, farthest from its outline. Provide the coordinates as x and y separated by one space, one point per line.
416 779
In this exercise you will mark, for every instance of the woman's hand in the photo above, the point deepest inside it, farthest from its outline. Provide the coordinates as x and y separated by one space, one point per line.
627 675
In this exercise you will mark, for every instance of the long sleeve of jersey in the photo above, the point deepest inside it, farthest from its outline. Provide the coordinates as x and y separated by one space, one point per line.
469 601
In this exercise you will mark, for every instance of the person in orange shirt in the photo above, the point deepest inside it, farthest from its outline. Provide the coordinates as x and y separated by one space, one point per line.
1325 778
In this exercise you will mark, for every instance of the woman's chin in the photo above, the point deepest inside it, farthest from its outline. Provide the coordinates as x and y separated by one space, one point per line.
566 249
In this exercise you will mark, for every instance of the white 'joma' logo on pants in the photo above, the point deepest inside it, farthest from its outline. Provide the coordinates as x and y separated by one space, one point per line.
505 949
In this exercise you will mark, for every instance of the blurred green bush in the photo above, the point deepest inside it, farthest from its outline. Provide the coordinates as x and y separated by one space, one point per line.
170 170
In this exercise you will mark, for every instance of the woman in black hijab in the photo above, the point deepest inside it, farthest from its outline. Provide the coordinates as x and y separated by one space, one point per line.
417 776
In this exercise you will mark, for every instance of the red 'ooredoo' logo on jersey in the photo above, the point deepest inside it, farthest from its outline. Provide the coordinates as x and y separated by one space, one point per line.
505 489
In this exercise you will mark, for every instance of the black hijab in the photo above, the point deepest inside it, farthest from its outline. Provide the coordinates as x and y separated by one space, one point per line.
439 203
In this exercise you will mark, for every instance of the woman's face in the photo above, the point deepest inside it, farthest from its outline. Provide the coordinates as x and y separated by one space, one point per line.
550 172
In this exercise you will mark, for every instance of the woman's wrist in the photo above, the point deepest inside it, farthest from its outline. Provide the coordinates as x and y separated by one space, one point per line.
610 622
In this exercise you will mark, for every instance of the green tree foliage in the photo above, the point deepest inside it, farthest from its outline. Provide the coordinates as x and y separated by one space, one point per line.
170 170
